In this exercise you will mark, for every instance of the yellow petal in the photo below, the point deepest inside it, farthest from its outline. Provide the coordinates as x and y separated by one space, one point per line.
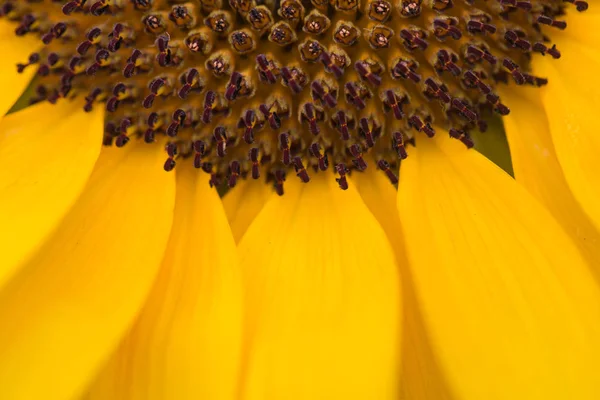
379 195
572 101
186 343
536 167
46 156
243 203
66 310
580 27
511 308
323 299
421 378
14 49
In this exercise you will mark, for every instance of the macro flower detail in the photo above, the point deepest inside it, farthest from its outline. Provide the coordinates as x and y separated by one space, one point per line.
155 243
248 90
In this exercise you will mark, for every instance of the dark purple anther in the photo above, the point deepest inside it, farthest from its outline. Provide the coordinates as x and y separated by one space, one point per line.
162 43
421 126
125 123
498 106
191 76
90 98
179 116
233 86
149 136
358 161
300 170
401 70
398 144
543 19
271 116
367 74
119 89
209 100
330 66
122 140
455 33
164 59
385 167
553 51
413 40
330 101
234 173
366 130
253 157
248 122
129 69
473 79
392 102
171 149
173 129
279 179
112 104
464 110
148 101
71 6
342 180
184 91
477 54
114 44
311 117
265 68
92 69
513 68
290 81
323 161
284 146
156 84
581 5
169 165
262 61
318 92
97 9
83 47
342 125
220 137
352 97
199 148
462 136
152 120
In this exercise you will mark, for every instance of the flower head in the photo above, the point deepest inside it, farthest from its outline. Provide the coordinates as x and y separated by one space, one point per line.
249 90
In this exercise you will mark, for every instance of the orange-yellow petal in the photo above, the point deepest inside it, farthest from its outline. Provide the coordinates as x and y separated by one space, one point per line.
580 27
65 311
572 102
421 377
536 167
186 343
243 203
379 195
323 298
47 154
14 49
511 308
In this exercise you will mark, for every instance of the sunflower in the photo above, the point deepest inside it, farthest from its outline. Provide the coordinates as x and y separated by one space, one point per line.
125 275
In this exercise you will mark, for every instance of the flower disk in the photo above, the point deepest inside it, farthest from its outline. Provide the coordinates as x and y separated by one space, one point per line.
265 88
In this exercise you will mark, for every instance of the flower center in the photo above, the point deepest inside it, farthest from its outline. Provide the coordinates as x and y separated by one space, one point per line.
266 88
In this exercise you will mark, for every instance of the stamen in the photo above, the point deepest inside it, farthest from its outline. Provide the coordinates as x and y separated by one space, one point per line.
300 170
342 180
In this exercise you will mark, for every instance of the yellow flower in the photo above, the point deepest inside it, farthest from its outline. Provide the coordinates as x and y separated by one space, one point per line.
119 280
